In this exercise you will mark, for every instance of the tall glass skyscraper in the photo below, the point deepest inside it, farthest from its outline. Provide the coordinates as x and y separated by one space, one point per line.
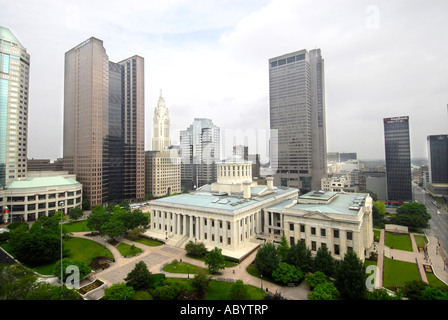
398 160
438 164
200 151
104 123
297 112
14 80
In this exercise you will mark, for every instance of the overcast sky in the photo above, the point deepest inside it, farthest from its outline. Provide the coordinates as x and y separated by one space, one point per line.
210 58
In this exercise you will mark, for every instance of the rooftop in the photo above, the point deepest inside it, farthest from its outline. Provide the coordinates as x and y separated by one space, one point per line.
8 36
223 201
41 182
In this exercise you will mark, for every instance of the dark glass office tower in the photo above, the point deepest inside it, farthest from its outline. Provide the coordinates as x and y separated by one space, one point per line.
438 165
297 112
398 160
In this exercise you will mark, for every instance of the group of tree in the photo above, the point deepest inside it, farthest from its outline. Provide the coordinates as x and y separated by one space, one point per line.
115 220
413 215
20 283
214 259
290 264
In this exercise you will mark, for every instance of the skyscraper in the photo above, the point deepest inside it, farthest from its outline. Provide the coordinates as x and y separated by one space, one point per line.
104 123
200 151
297 111
14 80
398 160
161 131
438 164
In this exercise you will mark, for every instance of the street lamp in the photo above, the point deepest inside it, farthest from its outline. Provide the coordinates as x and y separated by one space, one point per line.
61 203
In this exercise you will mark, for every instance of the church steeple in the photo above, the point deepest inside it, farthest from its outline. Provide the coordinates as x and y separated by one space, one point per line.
161 137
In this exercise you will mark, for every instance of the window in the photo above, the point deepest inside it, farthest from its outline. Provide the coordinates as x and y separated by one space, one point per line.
336 249
302 228
313 230
336 233
349 235
313 245
291 227
323 232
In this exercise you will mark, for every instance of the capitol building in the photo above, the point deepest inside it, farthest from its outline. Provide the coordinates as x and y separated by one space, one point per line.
236 215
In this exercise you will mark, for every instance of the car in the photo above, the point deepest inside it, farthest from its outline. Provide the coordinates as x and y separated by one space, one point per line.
438 212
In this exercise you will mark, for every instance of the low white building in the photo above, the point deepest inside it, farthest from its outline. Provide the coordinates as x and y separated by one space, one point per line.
41 193
340 221
227 214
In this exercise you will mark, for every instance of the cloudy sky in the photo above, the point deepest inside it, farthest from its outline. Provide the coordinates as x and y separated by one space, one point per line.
210 58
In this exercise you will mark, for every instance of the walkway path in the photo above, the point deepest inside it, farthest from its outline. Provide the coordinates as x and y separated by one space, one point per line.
158 256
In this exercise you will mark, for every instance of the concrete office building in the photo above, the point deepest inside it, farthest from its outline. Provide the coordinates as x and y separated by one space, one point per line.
398 160
104 123
200 151
297 111
438 165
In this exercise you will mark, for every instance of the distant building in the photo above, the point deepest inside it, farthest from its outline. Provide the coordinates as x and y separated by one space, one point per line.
200 151
398 160
161 127
297 112
340 183
45 165
438 165
163 170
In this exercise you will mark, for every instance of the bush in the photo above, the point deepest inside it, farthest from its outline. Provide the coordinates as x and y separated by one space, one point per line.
119 291
286 273
197 250
168 292
324 291
315 279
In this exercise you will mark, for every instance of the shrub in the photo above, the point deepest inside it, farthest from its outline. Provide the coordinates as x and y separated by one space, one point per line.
286 273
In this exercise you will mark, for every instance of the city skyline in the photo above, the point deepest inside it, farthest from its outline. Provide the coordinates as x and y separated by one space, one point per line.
382 60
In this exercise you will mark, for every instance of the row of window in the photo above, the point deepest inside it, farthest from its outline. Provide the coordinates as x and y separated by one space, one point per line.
323 231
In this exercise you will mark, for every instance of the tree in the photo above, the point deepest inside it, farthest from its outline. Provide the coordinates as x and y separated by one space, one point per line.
140 277
286 273
282 249
315 279
324 261
324 291
119 291
431 293
413 289
201 281
46 291
16 282
267 259
412 215
75 213
113 228
372 194
83 268
381 207
97 218
300 256
350 277
197 250
215 260
238 291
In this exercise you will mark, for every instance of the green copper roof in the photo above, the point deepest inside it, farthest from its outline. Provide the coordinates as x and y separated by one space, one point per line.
41 182
7 35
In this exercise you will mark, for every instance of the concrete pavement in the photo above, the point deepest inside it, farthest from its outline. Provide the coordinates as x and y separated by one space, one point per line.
157 257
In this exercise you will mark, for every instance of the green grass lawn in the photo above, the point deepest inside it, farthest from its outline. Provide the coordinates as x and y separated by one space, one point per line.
148 242
181 267
127 250
397 273
86 250
398 241
77 226
420 240
434 281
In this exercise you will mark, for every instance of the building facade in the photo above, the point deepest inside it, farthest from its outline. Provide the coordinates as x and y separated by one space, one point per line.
227 214
339 221
161 127
438 165
200 151
14 88
104 123
297 112
398 160
163 171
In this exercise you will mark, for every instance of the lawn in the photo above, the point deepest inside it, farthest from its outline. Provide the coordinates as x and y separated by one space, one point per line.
77 226
127 250
434 281
86 250
420 240
181 267
397 273
398 241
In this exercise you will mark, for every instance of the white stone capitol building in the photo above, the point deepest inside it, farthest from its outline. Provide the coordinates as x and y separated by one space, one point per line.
236 214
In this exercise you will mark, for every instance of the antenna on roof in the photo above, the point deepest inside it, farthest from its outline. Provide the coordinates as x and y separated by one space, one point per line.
160 93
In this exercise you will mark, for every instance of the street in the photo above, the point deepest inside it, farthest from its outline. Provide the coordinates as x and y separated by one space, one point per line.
439 222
